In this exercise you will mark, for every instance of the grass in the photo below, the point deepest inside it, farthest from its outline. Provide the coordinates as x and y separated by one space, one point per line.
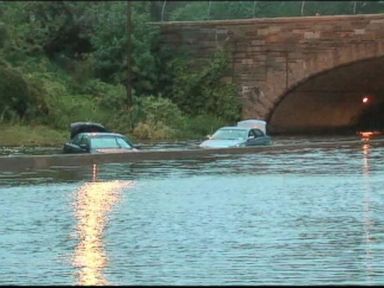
24 135
21 134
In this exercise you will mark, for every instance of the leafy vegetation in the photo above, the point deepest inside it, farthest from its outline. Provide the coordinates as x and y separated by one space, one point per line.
66 61
218 10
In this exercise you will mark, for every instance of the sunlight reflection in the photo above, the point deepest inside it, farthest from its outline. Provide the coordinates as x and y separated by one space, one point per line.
367 210
94 201
366 151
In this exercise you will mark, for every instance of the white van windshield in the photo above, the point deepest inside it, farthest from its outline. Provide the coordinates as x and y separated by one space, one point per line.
230 134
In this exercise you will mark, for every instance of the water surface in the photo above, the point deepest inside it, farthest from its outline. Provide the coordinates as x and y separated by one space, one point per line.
299 217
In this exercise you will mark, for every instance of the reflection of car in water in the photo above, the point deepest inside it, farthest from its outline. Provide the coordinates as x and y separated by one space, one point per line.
88 137
246 133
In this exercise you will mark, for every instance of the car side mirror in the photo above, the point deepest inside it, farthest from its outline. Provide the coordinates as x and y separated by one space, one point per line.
137 146
251 137
209 136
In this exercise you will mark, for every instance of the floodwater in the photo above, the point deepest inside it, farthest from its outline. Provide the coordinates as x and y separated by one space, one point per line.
298 217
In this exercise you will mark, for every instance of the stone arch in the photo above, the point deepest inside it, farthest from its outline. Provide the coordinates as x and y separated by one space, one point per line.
273 58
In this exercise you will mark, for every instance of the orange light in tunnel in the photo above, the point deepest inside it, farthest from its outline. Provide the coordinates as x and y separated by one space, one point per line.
367 135
365 99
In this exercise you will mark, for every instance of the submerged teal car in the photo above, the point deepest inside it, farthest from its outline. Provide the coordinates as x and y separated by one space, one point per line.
87 137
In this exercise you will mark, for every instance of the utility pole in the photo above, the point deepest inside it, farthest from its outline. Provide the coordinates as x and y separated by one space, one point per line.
254 9
302 8
129 54
209 10
163 10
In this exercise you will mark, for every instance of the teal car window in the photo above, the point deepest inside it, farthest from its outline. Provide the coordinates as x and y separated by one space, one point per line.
122 143
83 140
104 142
76 139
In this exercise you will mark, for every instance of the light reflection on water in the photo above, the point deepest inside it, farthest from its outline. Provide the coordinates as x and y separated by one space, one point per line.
368 225
94 201
305 217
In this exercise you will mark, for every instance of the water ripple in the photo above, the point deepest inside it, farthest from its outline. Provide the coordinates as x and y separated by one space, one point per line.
306 217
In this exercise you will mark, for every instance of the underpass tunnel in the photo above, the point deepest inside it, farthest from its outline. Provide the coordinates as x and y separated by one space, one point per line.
346 99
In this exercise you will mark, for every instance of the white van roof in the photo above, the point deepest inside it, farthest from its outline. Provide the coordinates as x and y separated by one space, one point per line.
253 123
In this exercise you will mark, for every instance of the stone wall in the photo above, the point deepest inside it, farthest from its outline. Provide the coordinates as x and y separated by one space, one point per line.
273 57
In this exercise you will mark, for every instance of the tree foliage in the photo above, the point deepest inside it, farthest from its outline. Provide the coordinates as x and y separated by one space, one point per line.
63 61
218 10
202 91
14 93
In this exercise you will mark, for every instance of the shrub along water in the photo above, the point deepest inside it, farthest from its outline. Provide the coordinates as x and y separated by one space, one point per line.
49 98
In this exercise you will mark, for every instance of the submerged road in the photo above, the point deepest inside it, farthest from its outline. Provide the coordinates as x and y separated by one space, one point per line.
30 162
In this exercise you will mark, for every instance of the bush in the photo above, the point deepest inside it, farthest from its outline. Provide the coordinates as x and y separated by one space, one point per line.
111 97
3 34
15 96
153 130
156 118
200 125
203 90
57 106
158 109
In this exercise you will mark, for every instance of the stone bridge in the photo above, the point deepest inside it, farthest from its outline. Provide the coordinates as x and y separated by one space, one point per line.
301 74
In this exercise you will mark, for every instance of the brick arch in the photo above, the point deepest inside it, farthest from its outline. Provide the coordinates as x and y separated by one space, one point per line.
325 63
273 56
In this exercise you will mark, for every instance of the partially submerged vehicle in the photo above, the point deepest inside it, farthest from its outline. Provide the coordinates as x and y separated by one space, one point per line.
89 137
250 132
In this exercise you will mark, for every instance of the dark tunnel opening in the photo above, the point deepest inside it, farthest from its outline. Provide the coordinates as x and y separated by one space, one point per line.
344 100
372 118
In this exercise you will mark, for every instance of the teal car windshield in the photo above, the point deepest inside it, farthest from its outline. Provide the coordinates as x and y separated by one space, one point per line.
230 134
108 142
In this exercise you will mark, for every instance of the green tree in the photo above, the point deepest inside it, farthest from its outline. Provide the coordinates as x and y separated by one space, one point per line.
110 42
202 90
194 11
15 96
